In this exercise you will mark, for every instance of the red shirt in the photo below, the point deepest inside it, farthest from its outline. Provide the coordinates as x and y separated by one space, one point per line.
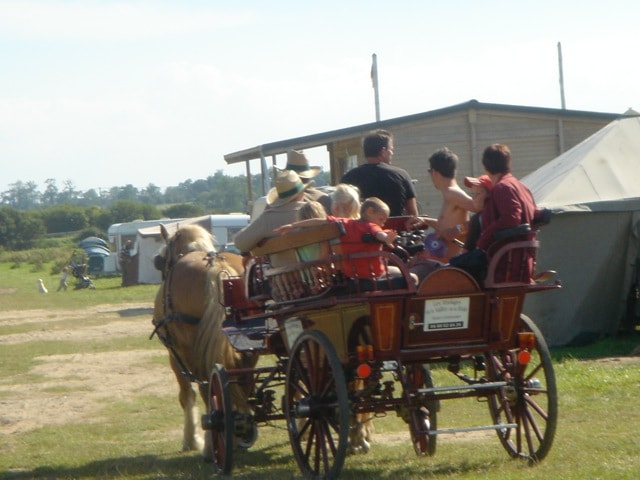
510 204
352 242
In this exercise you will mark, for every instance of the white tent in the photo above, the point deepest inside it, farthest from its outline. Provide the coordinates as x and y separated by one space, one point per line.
592 241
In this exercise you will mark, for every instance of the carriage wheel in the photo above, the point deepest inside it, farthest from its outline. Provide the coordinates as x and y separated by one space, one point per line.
317 406
220 420
425 418
529 400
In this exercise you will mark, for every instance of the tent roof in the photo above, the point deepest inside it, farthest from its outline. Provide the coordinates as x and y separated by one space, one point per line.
600 173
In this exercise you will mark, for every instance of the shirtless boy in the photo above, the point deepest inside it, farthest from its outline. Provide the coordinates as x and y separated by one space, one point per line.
453 218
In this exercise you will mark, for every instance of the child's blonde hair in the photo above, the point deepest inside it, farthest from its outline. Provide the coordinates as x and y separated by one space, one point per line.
377 205
311 209
345 201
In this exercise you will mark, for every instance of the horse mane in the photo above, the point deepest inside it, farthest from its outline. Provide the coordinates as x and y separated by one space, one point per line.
211 345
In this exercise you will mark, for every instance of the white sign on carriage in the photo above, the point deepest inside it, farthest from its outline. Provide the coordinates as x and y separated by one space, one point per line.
446 314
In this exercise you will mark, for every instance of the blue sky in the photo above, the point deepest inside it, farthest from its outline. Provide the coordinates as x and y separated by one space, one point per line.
109 93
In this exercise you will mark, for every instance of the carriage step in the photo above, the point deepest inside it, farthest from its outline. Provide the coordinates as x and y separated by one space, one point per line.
458 388
473 429
241 341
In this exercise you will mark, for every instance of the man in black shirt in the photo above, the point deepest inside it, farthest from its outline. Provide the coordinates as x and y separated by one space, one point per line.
378 178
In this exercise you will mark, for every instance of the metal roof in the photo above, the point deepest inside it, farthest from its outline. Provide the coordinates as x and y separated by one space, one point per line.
319 139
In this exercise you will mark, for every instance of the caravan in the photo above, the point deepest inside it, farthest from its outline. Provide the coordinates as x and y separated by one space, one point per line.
137 243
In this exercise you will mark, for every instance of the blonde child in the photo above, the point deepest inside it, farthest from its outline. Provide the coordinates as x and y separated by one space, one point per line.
373 215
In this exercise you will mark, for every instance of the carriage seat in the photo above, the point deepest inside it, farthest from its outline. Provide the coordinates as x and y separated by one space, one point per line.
384 282
311 272
512 258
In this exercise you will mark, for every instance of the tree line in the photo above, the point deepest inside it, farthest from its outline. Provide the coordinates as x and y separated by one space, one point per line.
28 213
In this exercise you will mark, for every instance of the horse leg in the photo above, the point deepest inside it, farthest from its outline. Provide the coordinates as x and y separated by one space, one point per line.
361 427
207 450
191 439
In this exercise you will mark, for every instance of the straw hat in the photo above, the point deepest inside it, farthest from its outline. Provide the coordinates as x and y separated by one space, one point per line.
298 162
288 186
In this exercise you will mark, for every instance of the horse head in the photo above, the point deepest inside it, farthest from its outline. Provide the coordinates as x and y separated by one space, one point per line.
189 238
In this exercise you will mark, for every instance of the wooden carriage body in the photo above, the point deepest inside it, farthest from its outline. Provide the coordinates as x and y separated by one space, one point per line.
447 313
337 341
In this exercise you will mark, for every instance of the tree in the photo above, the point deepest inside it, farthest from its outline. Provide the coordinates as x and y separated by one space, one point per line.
69 194
183 210
151 194
21 195
50 194
19 229
128 192
91 198
64 218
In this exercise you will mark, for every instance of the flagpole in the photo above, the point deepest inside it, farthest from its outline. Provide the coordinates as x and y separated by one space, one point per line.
374 79
562 102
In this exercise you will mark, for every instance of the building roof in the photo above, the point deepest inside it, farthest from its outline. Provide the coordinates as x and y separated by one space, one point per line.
319 139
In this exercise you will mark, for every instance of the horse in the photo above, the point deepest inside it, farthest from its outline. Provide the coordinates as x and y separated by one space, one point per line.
188 316
188 313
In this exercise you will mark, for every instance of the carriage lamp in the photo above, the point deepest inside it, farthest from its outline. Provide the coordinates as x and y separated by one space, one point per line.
365 353
526 342
363 370
524 357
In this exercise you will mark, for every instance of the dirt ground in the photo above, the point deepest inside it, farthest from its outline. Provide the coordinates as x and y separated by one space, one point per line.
92 379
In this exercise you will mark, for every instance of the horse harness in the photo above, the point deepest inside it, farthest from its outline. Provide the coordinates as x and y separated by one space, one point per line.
172 316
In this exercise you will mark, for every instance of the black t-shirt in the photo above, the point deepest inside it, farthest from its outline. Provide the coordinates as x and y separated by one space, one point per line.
389 183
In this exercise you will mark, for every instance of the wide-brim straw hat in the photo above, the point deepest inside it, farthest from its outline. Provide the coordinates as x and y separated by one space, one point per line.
288 186
298 162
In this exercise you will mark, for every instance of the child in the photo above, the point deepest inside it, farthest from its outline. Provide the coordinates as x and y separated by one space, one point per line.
454 215
345 201
373 215
310 210
63 280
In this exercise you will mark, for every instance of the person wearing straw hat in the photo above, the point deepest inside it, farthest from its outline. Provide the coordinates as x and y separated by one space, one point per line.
299 163
283 202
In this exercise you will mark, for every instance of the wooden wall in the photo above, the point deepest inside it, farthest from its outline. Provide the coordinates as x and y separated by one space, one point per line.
534 139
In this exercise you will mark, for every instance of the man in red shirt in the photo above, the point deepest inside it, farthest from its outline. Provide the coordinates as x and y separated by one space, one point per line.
509 205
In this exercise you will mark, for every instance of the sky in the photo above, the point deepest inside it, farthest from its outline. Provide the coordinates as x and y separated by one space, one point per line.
110 93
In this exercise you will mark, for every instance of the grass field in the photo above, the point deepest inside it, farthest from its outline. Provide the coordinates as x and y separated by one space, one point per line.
118 400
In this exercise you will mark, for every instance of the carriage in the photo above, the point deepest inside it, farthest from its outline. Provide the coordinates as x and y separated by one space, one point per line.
346 350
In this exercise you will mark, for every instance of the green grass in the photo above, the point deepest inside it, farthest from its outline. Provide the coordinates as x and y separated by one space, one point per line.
138 437
19 291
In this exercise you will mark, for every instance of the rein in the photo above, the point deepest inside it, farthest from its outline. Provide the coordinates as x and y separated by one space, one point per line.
166 341
170 316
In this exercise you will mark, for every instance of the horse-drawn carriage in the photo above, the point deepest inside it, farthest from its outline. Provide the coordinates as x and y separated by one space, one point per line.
347 349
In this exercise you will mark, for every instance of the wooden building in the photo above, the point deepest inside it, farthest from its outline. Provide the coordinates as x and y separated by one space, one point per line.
535 136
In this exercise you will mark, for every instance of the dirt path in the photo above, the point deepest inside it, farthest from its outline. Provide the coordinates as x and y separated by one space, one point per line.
33 400
91 379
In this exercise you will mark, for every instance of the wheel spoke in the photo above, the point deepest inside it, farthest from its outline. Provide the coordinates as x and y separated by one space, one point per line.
317 406
529 400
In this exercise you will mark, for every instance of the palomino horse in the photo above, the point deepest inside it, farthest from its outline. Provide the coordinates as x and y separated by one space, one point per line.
188 317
